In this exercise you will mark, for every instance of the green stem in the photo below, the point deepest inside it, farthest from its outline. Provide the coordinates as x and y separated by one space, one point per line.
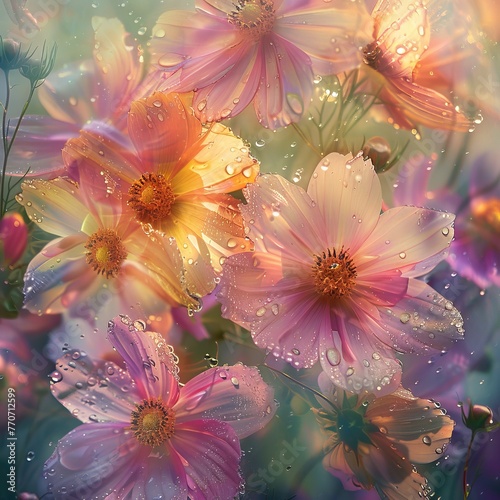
466 466
304 386
7 150
4 140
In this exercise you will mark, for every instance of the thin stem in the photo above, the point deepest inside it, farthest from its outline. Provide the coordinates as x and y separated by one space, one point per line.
466 466
305 139
4 140
304 386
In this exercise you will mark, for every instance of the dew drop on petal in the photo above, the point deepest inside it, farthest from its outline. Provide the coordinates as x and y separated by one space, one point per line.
427 440
333 356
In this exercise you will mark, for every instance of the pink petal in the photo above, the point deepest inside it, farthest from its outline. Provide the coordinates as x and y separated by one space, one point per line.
192 49
93 461
357 361
234 90
286 86
411 240
210 451
282 219
149 360
13 237
233 394
348 195
38 146
423 321
410 104
323 30
93 391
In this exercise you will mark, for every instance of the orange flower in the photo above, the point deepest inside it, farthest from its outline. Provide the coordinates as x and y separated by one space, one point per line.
174 176
373 442
401 36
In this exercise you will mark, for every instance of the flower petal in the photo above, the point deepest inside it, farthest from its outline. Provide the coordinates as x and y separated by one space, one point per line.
422 321
282 219
55 205
348 194
38 146
150 361
219 162
211 453
357 361
286 84
93 391
94 461
412 240
233 394
327 32
162 127
416 427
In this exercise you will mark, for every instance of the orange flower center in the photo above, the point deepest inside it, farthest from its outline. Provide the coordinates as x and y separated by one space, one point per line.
487 213
371 55
151 197
334 274
105 252
254 17
152 422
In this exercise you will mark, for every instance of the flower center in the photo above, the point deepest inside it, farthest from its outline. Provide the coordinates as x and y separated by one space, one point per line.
152 423
105 252
371 55
253 17
334 274
151 197
487 213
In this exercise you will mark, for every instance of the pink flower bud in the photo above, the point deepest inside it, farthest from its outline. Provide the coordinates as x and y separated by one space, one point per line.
13 237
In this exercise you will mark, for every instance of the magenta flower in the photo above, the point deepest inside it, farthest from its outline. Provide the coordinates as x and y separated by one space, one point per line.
13 238
265 51
332 279
150 437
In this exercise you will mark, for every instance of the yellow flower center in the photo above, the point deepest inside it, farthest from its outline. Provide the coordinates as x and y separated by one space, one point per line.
254 17
151 197
152 422
105 252
334 274
487 213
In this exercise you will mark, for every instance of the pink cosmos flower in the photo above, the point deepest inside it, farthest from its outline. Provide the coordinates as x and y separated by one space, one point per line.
145 435
401 35
98 249
332 280
76 95
375 442
265 51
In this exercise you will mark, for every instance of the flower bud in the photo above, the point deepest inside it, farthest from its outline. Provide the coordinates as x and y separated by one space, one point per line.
13 237
480 418
378 150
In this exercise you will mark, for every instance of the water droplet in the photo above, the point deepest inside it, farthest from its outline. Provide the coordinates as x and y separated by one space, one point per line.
235 381
260 312
427 440
275 309
232 243
402 255
404 318
349 371
333 356
295 351
55 377
376 356
30 456
445 231
157 103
